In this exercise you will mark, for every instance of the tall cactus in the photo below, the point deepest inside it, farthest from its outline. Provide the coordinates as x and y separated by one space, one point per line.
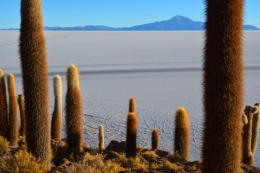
56 123
101 138
3 107
132 105
223 86
13 111
155 139
131 132
74 111
33 58
21 102
182 134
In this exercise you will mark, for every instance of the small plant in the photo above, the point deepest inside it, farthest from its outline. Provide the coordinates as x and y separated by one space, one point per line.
13 111
4 145
3 107
131 162
131 132
155 139
95 164
101 138
182 133
22 162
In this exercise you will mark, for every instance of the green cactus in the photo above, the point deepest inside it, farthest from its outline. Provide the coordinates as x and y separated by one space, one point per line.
13 111
131 132
3 107
132 105
155 139
21 102
74 111
56 123
223 87
101 137
33 59
182 134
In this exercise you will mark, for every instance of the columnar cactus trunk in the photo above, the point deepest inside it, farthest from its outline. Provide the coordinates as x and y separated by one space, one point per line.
131 132
255 125
3 107
155 139
223 86
35 79
21 102
13 111
182 134
101 138
247 137
132 105
56 123
74 111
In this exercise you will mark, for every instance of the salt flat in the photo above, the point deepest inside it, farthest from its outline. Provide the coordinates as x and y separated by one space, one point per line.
162 70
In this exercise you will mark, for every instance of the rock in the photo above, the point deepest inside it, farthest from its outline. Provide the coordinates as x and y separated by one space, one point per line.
116 146
162 153
111 155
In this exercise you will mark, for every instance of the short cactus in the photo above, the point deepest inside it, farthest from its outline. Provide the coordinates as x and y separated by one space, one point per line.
182 134
21 103
101 137
255 125
13 111
56 123
155 139
250 134
132 105
3 107
74 111
131 132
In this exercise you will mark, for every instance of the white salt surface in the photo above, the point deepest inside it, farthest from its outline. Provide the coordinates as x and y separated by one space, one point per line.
162 70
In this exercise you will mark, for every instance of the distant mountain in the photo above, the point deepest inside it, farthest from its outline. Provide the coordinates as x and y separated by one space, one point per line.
174 24
177 23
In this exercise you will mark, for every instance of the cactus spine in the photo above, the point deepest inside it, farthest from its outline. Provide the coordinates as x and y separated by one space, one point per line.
223 86
33 58
101 138
3 107
56 126
13 111
74 112
131 132
132 105
155 139
182 134
21 102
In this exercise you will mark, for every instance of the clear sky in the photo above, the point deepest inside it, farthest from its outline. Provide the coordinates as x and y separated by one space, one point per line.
116 13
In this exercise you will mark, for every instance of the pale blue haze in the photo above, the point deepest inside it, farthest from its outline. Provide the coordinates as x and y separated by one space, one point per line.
116 13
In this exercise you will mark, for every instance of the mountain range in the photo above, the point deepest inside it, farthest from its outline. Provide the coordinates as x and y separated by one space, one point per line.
177 23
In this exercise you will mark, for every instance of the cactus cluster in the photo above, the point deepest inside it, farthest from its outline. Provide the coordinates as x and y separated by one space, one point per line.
250 134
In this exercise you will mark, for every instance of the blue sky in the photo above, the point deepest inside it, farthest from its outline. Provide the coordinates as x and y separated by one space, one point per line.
116 13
